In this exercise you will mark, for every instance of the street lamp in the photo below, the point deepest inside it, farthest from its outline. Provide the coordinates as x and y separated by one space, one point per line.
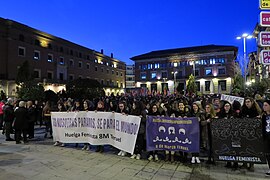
244 37
174 81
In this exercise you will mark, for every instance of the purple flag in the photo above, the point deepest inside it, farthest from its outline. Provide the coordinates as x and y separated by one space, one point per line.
173 134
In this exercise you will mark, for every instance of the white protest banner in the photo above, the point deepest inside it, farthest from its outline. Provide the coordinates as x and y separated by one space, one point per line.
230 99
96 128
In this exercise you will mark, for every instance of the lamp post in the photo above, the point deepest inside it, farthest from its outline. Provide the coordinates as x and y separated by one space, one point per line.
174 80
244 37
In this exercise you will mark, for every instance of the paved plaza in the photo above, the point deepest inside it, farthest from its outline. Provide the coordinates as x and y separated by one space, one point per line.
39 159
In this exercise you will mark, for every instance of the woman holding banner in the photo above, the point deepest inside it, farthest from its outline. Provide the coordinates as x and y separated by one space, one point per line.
197 112
250 109
154 112
87 106
100 107
122 108
137 110
61 108
266 131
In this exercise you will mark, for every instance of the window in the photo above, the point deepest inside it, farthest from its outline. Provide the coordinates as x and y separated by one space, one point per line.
222 85
143 86
175 64
71 52
198 85
164 74
207 85
71 77
149 66
61 76
156 65
130 79
107 71
96 69
121 74
87 66
153 75
108 82
88 57
80 55
179 75
21 51
112 71
36 73
117 73
80 77
154 87
37 42
50 75
80 64
62 61
49 46
144 67
143 75
221 71
36 55
61 49
50 57
197 73
102 82
208 72
71 62
102 70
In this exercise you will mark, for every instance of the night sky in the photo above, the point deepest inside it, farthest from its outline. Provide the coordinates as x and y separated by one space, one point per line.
132 27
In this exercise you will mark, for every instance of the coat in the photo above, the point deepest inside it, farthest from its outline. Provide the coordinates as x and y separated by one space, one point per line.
21 118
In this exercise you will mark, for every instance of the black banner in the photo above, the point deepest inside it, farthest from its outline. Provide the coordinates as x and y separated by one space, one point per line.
238 140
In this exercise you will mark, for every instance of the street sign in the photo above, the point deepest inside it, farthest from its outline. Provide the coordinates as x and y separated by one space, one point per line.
265 19
264 4
264 38
265 57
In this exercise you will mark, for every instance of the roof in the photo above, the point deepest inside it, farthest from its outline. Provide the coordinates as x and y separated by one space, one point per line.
186 50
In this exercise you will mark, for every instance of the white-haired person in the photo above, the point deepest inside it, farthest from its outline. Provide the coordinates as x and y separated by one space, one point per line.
21 123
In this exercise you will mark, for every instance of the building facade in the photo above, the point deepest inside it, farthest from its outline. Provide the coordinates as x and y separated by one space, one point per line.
130 76
213 67
53 61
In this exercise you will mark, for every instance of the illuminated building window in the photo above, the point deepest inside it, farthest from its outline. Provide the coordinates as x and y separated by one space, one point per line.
156 65
50 58
61 61
149 66
21 51
153 75
36 55
143 75
175 64
208 72
96 61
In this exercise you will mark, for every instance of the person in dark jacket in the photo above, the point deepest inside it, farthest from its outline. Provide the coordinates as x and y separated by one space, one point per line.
8 118
250 109
21 123
32 119
137 110
266 131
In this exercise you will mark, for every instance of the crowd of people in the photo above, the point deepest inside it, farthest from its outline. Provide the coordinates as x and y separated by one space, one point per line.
20 117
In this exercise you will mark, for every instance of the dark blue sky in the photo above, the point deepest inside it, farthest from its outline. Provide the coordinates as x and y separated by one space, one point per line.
132 27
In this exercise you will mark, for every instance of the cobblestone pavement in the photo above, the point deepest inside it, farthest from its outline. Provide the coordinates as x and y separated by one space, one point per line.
39 159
